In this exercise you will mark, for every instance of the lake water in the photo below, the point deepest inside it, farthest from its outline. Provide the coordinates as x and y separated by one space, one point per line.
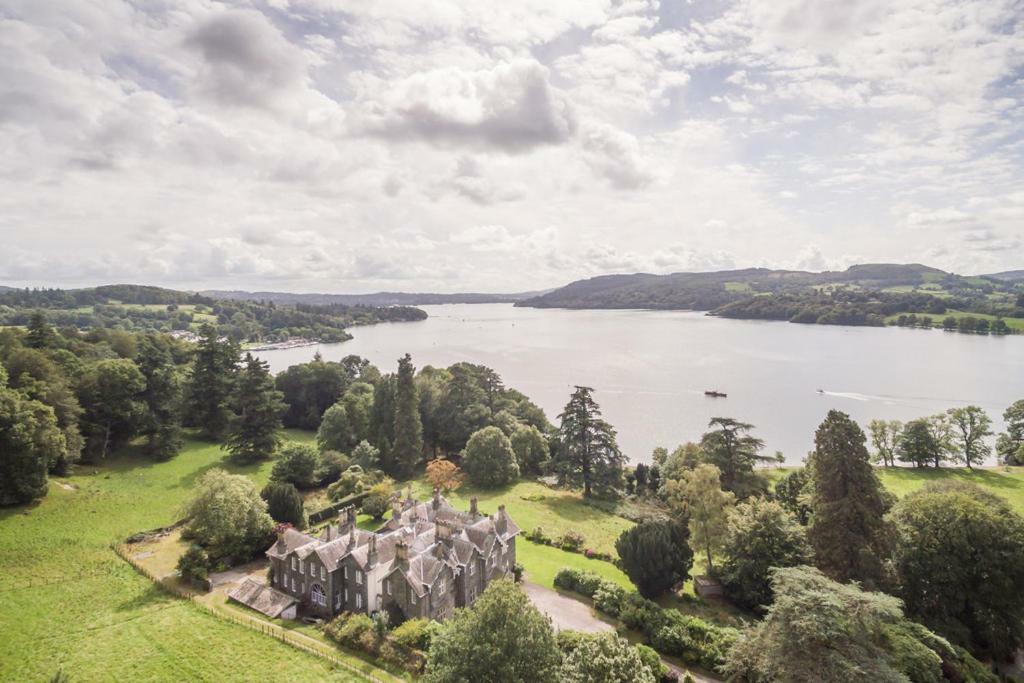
650 369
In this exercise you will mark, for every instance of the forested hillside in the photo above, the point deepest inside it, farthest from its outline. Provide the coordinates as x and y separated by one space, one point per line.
374 299
142 308
869 294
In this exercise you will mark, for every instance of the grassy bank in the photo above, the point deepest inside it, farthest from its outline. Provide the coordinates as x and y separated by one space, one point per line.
67 601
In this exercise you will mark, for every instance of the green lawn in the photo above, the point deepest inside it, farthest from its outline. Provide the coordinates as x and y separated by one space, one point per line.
937 318
1007 482
67 601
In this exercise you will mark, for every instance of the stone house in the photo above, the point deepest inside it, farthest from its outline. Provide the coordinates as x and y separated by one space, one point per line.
427 560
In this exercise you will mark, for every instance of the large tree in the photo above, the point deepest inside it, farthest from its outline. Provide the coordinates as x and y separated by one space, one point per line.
885 437
604 658
257 406
972 427
848 533
347 422
110 392
296 463
793 493
40 334
382 417
227 517
161 423
760 535
531 449
960 560
1010 444
588 453
820 630
463 407
212 383
284 504
311 388
697 497
488 459
656 555
918 445
30 440
407 449
502 638
730 447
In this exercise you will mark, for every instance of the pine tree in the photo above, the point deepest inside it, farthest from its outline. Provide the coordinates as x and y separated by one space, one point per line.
730 448
213 377
407 449
382 416
40 334
162 396
258 409
589 455
848 533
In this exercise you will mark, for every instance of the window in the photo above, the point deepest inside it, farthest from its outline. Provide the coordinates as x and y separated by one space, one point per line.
323 573
359 576
359 600
293 583
412 597
318 596
344 572
472 566
293 563
346 596
387 586
441 586
337 601
301 567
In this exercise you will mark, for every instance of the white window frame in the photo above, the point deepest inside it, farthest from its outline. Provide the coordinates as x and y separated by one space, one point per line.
294 563
346 596
359 577
472 567
323 573
344 572
318 598
359 600
412 596
302 567
441 586
337 601
387 586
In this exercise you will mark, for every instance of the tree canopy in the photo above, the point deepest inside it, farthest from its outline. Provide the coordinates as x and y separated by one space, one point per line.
656 555
588 455
227 516
698 498
730 447
488 459
257 405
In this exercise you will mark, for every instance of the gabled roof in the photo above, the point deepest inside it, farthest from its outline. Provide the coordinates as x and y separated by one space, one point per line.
289 541
262 598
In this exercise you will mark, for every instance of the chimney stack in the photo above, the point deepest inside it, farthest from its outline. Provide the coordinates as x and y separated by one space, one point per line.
443 532
501 522
371 551
473 508
346 519
402 553
437 498
396 507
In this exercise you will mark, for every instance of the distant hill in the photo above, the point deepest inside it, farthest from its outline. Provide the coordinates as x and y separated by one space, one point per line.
1007 275
866 294
375 299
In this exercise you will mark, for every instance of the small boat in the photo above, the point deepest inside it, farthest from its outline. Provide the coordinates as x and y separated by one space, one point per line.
715 394
821 391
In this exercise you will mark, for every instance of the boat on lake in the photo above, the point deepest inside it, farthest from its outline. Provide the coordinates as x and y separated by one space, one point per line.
715 394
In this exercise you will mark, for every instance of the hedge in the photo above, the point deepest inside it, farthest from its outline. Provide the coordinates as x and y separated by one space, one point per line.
668 631
332 510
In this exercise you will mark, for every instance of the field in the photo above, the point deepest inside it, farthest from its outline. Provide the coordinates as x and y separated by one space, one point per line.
68 602
1016 324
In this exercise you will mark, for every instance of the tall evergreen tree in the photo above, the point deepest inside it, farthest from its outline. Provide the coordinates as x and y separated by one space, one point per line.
40 334
848 534
589 455
730 447
407 449
213 378
382 417
258 407
161 424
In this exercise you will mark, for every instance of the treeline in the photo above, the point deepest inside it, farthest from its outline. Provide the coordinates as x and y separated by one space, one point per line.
141 308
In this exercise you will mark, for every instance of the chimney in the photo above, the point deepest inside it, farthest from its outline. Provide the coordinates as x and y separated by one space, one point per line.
371 551
437 498
473 508
402 553
501 522
346 519
443 532
352 538
396 507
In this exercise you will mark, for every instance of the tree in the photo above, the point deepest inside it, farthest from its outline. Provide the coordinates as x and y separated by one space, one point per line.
604 657
194 564
588 453
685 457
699 498
40 334
382 417
227 517
488 459
885 436
444 475
258 407
821 630
918 444
29 441
296 464
347 422
284 504
848 534
212 383
640 473
502 638
462 409
110 391
656 555
960 560
1010 444
366 456
161 423
731 449
308 389
531 449
945 438
793 493
378 502
973 426
760 535
407 448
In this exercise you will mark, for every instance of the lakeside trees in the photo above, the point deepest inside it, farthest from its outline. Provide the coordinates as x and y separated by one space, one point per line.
1010 444
729 446
257 408
588 455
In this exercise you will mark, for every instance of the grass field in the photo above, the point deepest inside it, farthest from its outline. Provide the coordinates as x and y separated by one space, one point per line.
67 601
937 318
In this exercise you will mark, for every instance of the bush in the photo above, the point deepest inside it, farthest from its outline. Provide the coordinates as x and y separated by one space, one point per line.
379 501
652 661
571 540
351 481
296 464
414 633
284 504
349 630
330 467
194 565
609 597
517 572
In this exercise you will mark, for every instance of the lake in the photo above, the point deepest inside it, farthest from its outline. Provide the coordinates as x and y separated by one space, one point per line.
649 369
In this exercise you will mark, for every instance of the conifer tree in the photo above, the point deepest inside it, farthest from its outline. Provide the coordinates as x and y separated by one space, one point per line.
213 377
382 416
848 534
407 449
40 334
258 408
589 455
161 424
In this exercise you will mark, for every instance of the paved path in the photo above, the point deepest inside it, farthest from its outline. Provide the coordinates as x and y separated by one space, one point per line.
570 614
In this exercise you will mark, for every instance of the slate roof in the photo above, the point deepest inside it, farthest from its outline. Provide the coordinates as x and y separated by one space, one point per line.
262 598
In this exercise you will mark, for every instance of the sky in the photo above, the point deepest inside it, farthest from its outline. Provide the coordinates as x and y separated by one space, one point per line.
436 145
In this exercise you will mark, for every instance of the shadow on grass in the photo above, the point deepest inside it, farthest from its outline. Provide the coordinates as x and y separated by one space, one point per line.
152 597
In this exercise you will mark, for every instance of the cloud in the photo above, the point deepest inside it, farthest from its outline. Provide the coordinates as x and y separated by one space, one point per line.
616 156
511 107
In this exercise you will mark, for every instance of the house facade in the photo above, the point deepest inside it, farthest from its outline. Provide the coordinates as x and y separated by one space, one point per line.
426 561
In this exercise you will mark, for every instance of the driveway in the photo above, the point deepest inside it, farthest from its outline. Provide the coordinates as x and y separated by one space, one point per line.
570 614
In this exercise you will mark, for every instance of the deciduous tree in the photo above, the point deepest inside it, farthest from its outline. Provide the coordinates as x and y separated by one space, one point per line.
697 496
1010 444
29 441
531 449
885 437
973 426
296 463
227 517
444 475
110 392
604 657
488 459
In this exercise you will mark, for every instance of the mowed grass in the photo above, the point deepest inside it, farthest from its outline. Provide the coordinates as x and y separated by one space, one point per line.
1006 482
68 602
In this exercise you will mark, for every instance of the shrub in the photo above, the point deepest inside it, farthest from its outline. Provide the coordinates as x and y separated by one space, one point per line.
284 504
353 480
330 467
414 633
194 565
538 536
379 501
571 540
349 630
517 572
608 598
652 661
296 464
